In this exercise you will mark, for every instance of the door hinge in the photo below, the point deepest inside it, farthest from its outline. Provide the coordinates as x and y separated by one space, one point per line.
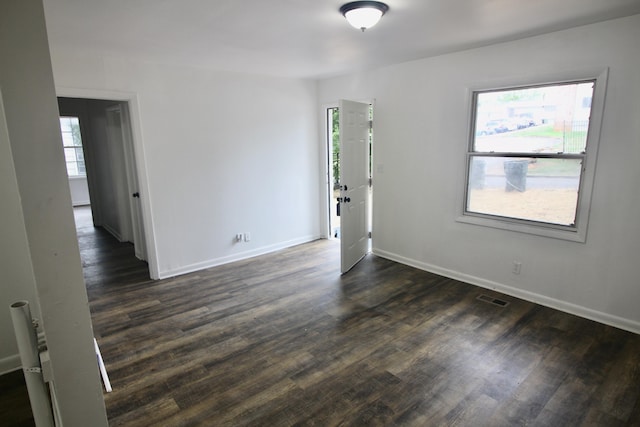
369 234
370 182
370 124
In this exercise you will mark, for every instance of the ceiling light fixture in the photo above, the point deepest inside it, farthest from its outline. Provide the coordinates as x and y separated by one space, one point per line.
363 14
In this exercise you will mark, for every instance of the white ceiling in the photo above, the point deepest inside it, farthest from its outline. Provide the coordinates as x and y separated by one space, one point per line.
306 38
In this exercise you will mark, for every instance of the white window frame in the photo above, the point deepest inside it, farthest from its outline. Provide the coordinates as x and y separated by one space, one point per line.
76 148
578 232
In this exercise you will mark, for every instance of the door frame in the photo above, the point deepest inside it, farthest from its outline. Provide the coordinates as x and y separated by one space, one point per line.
133 106
327 190
327 202
325 170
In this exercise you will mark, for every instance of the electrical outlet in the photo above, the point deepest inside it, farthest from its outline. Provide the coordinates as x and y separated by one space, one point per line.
517 266
239 237
247 237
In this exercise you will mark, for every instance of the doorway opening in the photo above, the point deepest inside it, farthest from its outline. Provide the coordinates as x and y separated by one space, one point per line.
106 159
333 156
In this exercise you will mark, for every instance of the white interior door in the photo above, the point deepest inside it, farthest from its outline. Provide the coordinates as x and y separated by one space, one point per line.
126 180
354 181
115 150
139 242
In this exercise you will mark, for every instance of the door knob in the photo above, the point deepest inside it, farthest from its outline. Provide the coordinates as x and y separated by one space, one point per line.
136 194
347 199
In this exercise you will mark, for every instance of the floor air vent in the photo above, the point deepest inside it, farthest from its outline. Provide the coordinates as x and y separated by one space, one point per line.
492 300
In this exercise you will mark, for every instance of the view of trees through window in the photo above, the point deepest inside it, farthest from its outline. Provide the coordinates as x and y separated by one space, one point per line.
527 151
72 142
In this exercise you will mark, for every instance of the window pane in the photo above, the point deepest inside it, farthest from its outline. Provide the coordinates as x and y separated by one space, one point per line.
534 189
65 124
70 154
72 142
80 161
545 119
67 139
72 168
75 132
79 154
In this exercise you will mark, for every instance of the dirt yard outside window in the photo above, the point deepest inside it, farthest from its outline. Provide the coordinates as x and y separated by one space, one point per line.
555 206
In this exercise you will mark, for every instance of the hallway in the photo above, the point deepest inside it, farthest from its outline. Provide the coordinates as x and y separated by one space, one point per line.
105 261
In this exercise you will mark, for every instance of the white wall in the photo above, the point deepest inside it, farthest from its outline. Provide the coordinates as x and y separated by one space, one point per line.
421 129
38 191
79 190
18 282
224 153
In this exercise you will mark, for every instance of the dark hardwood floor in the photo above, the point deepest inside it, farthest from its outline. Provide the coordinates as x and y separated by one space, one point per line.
285 340
15 410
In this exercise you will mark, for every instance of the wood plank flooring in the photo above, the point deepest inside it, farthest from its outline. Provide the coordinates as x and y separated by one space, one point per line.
15 410
285 340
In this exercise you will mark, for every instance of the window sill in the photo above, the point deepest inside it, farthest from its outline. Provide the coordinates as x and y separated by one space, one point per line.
573 235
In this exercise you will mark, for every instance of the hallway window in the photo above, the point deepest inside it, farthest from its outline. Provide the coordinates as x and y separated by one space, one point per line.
531 157
72 142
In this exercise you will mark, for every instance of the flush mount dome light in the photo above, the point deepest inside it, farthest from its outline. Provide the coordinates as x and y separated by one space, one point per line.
363 14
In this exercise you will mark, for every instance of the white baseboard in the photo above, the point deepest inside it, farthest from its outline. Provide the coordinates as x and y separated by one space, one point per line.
567 307
113 232
10 364
235 257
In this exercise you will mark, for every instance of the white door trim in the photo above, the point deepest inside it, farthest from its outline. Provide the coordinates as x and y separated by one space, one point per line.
140 159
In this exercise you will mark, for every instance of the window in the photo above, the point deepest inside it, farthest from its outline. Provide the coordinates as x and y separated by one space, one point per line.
531 157
72 142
